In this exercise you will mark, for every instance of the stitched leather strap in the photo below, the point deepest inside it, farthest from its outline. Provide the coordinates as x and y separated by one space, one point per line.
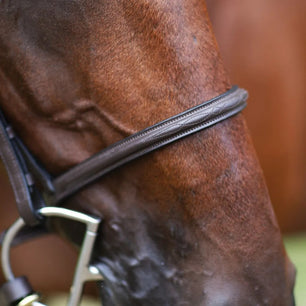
18 160
19 176
148 140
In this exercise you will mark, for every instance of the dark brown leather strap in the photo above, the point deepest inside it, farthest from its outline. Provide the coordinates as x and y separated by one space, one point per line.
19 176
18 160
148 140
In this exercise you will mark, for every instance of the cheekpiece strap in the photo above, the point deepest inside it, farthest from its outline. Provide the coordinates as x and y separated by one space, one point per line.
26 196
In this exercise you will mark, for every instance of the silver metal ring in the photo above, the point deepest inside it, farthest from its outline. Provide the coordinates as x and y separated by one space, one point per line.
83 272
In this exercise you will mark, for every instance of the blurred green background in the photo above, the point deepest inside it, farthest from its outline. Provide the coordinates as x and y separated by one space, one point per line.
296 248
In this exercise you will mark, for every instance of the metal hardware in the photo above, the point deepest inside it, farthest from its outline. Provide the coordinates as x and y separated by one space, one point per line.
30 300
84 271
16 290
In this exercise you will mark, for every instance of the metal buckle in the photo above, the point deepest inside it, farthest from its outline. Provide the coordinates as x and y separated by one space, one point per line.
84 271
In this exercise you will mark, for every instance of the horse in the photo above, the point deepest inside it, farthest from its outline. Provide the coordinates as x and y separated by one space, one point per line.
190 223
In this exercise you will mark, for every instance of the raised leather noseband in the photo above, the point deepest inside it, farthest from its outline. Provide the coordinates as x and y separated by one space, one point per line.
148 140
24 170
37 193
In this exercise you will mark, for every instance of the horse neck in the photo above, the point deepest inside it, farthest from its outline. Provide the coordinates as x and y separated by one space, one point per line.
183 222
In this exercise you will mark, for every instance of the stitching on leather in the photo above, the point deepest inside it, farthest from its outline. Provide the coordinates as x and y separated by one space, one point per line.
66 191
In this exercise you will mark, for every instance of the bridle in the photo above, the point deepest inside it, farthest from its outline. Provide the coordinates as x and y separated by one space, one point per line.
38 194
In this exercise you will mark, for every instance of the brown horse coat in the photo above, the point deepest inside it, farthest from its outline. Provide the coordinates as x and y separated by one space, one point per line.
191 224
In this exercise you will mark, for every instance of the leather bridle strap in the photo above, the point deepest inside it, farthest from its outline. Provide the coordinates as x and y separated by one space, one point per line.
18 172
18 160
148 140
29 180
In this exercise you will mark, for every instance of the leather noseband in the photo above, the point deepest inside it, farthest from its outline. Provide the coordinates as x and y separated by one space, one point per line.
24 171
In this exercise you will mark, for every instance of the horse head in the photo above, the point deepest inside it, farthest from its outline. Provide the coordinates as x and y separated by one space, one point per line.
191 223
